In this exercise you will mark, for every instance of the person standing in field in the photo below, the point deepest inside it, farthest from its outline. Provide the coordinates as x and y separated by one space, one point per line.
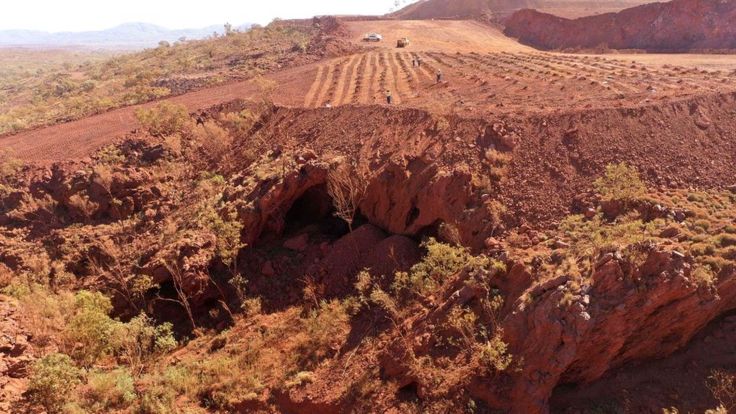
389 97
439 76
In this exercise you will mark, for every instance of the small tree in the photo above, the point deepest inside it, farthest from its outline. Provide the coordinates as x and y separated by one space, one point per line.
347 188
182 298
142 340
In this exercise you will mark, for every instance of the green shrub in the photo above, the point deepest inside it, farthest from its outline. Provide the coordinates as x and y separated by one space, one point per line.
225 381
240 123
325 328
727 240
227 230
301 378
494 354
109 390
702 249
620 182
52 382
441 261
728 253
702 223
90 333
110 155
165 119
704 276
156 400
162 388
141 340
9 165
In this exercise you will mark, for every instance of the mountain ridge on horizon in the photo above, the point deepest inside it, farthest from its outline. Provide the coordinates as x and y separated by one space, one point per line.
134 34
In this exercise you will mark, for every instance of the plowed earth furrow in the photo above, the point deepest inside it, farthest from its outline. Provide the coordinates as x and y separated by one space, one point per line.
351 92
337 76
423 69
325 86
367 80
312 94
345 70
384 79
403 78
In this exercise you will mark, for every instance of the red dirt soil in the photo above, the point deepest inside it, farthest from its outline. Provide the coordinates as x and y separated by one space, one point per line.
508 143
680 25
554 157
493 10
491 76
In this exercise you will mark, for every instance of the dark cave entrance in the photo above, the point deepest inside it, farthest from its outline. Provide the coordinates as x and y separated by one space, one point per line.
314 212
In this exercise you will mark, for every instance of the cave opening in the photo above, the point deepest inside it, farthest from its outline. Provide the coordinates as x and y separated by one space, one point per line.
165 305
315 212
409 392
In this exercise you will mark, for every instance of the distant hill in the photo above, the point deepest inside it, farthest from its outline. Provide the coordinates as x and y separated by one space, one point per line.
125 35
677 26
495 10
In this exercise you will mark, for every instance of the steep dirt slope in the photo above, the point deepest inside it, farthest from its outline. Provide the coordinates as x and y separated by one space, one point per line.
462 9
493 10
15 354
553 158
681 25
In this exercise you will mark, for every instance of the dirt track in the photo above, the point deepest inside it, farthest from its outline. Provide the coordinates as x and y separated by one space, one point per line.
484 73
79 138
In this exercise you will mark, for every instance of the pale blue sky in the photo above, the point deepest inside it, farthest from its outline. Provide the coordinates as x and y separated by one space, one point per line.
81 15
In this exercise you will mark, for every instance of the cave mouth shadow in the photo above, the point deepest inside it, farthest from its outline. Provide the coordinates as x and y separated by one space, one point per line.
314 211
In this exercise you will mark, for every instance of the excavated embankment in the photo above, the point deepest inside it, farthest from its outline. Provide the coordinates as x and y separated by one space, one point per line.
424 169
428 174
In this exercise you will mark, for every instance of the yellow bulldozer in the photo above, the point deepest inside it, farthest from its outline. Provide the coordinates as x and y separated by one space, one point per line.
403 42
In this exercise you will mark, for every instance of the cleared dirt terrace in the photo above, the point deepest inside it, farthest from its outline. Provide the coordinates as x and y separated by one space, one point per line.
445 35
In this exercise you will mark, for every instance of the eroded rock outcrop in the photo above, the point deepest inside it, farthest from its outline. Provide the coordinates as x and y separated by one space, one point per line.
566 331
619 315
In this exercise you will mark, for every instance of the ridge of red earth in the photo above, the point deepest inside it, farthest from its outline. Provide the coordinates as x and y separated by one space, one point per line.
495 10
677 26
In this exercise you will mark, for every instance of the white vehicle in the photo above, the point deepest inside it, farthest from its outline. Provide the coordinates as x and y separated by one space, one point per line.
373 37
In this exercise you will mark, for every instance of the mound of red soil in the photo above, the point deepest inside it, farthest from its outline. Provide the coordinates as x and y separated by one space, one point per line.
462 9
681 25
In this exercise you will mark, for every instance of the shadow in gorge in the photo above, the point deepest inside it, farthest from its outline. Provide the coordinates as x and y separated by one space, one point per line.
279 266
679 380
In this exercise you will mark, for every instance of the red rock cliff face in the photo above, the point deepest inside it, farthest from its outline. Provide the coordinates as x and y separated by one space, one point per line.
680 25
613 319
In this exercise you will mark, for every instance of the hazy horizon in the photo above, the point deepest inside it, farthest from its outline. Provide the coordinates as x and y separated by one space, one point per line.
121 24
85 15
